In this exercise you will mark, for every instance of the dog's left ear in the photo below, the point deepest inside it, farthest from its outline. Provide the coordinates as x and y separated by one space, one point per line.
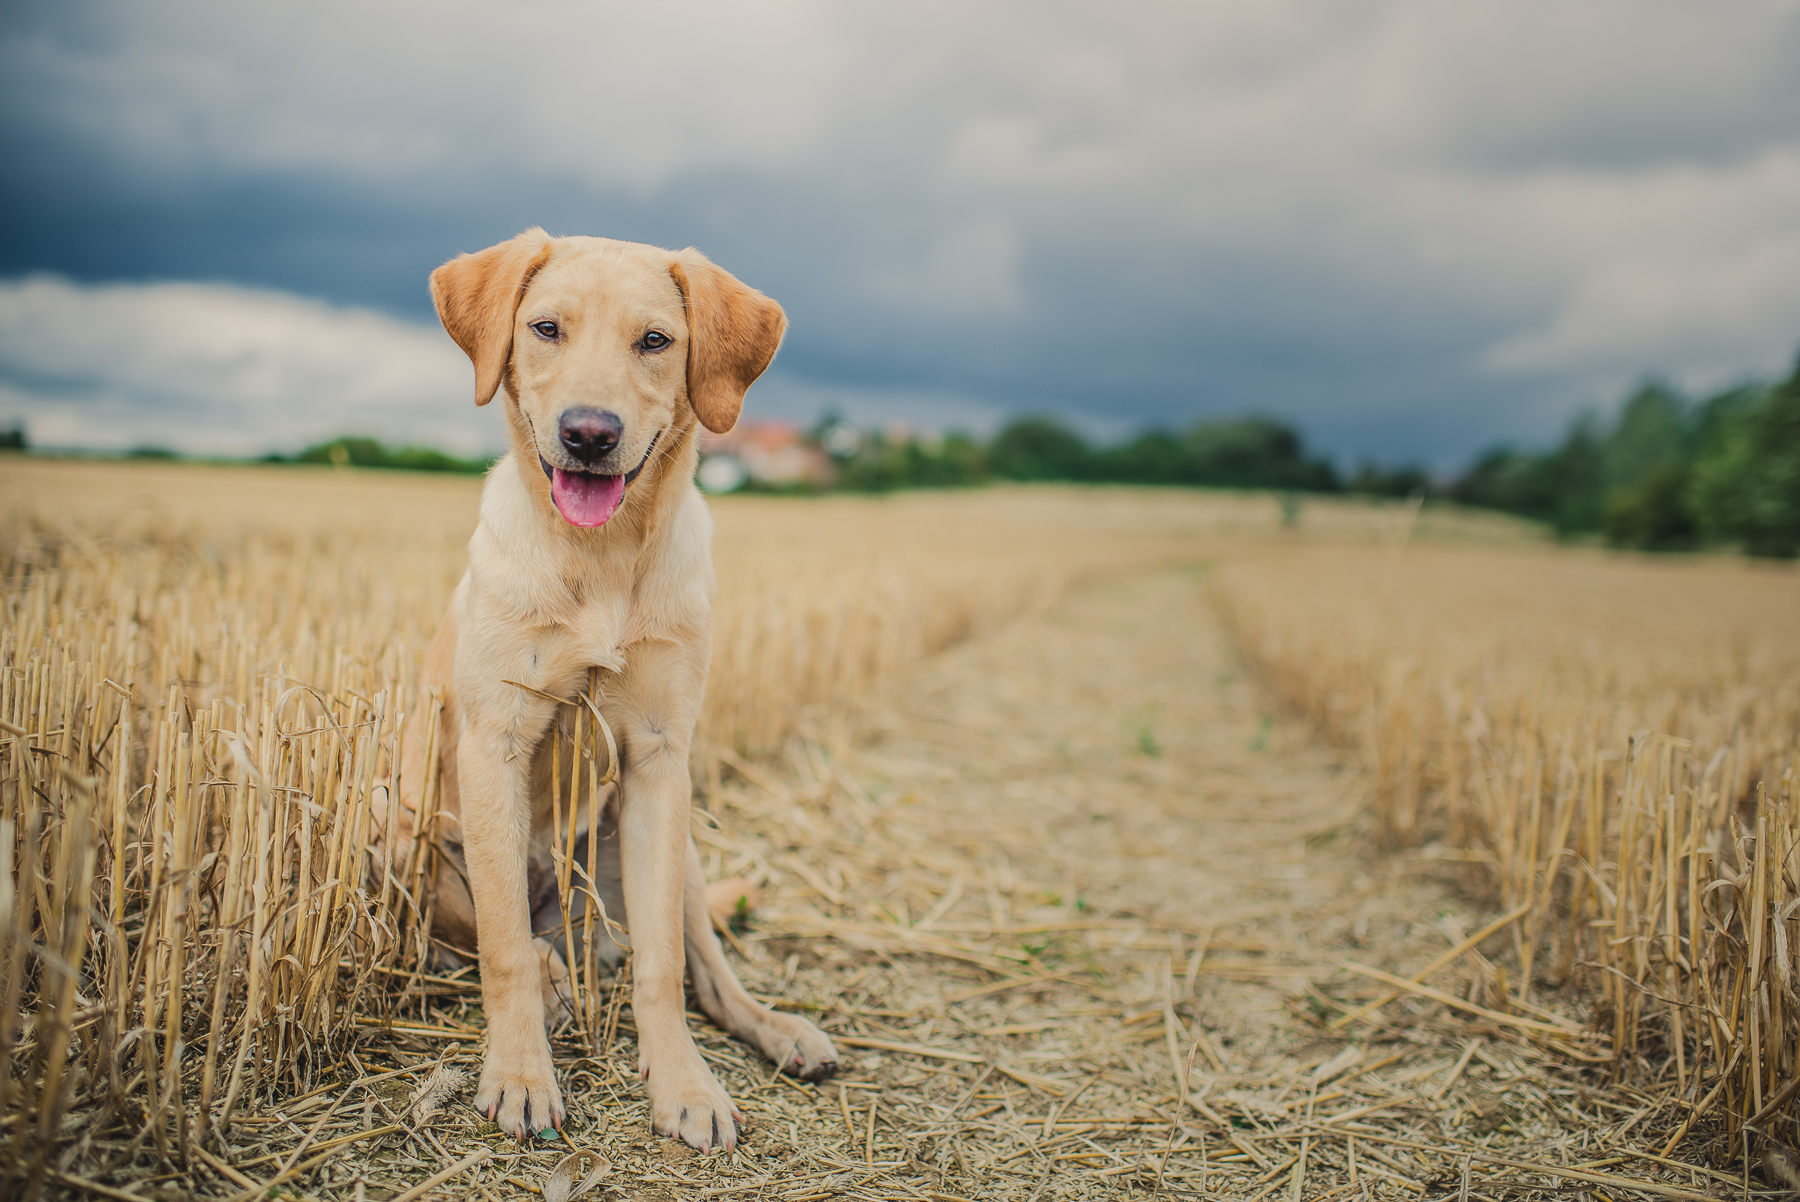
477 298
733 333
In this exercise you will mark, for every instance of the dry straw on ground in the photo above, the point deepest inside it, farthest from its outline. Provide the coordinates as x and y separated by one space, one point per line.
213 985
1613 745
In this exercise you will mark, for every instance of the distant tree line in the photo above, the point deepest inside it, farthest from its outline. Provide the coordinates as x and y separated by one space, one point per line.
1241 453
1672 473
367 452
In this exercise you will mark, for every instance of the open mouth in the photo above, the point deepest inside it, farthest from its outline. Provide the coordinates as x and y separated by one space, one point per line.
588 498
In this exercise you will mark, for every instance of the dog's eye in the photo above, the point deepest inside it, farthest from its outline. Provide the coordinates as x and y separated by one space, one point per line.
655 340
545 329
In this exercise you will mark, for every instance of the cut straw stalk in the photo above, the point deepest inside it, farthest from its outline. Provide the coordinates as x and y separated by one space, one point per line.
908 1049
1443 961
1554 1030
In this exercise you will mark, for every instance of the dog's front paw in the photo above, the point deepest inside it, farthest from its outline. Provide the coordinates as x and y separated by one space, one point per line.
801 1049
518 1087
686 1103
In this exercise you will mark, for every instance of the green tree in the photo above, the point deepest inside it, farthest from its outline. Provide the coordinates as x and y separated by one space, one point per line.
1745 488
367 452
1668 475
1153 457
881 464
1644 467
1577 480
1039 448
958 462
1651 513
1253 452
1652 434
1512 480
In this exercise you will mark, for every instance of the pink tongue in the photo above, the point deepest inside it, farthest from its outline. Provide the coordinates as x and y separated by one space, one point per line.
586 500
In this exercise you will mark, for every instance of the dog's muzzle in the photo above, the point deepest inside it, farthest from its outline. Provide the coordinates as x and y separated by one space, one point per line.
589 498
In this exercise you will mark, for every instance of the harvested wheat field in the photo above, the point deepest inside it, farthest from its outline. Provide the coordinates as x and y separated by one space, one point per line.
1130 845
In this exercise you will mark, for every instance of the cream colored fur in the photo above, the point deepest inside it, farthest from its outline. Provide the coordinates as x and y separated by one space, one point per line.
544 601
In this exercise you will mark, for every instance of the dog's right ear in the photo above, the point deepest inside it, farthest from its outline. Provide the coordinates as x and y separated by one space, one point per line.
477 298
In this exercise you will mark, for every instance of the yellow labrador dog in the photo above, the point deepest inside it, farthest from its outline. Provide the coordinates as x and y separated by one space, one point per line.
594 550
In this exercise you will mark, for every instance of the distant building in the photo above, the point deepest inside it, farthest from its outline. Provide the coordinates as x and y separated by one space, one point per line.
768 452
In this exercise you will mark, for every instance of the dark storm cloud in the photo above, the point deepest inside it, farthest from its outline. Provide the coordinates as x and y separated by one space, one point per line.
1412 227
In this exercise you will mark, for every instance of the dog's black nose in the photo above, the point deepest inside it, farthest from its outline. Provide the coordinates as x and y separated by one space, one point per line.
589 434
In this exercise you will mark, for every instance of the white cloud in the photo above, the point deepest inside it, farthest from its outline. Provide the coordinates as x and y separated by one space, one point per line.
1689 272
215 369
611 93
221 370
968 271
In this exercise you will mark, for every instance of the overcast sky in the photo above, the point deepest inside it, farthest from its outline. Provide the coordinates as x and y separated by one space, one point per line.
1414 227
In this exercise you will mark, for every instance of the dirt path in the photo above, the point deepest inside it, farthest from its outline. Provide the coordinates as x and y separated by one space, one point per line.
1112 753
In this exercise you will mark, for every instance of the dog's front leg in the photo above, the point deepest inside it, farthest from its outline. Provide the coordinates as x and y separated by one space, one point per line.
493 757
656 710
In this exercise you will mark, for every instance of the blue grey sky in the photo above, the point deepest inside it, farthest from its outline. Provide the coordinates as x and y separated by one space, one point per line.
1414 228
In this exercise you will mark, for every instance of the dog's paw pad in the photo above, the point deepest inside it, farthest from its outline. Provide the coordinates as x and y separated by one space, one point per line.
825 1070
521 1102
700 1114
802 1050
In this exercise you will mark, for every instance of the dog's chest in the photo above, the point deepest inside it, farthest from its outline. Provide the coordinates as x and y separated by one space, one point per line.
579 625
594 636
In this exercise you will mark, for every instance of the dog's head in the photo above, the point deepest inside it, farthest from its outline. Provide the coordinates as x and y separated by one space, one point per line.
601 347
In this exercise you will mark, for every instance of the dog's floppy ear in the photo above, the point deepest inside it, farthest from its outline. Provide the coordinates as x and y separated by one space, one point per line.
477 297
733 333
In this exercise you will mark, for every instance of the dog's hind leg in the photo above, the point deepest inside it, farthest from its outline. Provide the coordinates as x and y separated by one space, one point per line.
554 984
610 939
801 1049
555 946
